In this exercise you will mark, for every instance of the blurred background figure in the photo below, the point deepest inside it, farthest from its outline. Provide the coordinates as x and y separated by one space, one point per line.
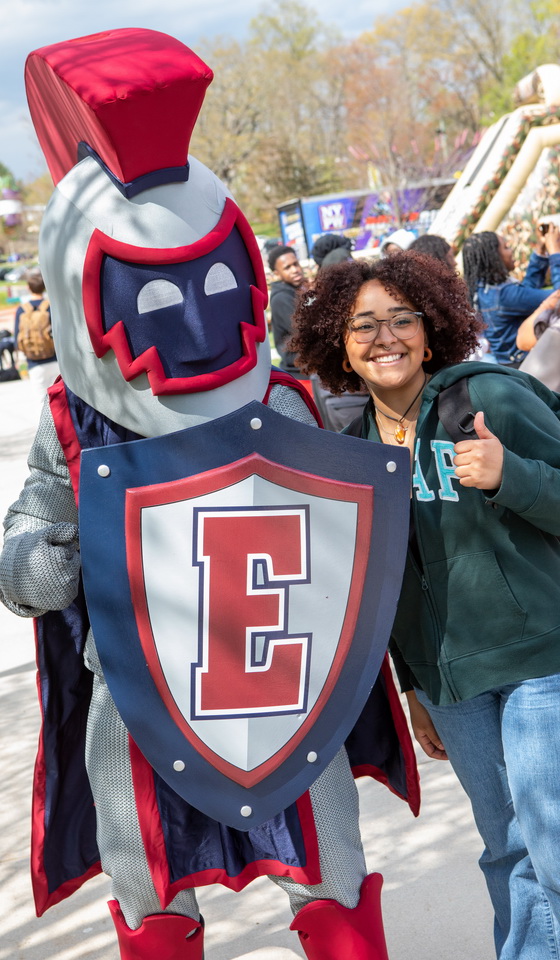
397 242
434 246
539 334
33 335
503 302
336 411
288 277
431 245
331 248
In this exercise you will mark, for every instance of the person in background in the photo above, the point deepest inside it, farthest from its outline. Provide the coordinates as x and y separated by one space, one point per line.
288 279
543 358
503 302
33 335
331 248
438 248
397 242
547 314
336 411
434 246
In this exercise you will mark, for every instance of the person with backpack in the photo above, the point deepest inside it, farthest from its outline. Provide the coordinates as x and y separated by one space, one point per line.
476 636
33 335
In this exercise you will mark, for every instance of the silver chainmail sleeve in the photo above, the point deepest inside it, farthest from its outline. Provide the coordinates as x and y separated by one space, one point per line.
288 402
40 562
38 571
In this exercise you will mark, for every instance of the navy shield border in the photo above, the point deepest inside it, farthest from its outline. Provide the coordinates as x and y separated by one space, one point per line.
298 678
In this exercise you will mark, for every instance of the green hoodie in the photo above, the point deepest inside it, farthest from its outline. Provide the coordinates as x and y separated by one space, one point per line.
480 602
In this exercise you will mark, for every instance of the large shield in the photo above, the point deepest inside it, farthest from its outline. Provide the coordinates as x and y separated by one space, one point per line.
242 578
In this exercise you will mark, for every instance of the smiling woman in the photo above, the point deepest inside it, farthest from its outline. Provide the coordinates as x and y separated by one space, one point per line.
474 634
381 289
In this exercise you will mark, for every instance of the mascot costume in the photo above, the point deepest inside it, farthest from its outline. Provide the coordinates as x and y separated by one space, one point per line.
203 714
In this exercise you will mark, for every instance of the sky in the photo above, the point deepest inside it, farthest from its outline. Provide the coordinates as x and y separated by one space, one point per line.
26 25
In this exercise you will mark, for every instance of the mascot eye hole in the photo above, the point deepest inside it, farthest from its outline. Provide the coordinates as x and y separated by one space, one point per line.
158 294
219 279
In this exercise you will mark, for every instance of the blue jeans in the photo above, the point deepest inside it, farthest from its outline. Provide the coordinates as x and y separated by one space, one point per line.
505 749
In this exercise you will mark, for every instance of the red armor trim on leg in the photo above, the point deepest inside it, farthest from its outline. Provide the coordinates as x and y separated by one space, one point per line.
329 931
167 936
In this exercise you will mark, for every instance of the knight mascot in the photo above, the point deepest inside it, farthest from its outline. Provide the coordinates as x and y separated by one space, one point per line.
211 625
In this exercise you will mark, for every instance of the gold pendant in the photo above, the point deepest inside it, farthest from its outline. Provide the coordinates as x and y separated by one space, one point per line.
400 433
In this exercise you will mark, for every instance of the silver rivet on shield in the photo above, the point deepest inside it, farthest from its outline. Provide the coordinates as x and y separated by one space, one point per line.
104 470
179 765
255 423
312 757
391 466
246 811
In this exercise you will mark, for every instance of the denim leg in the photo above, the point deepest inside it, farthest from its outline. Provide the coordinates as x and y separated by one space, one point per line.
531 738
472 734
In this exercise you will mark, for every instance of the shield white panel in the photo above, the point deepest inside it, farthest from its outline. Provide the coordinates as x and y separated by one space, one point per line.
317 607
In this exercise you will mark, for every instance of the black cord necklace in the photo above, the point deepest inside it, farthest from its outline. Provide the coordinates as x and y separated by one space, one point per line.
400 429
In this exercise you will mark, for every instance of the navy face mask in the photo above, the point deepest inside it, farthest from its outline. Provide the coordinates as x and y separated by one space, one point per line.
190 318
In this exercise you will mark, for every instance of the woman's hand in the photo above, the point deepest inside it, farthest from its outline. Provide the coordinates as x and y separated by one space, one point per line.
480 463
552 239
423 728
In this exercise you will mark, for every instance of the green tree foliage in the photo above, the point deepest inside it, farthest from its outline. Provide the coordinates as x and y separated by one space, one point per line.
536 43
7 179
272 125
296 110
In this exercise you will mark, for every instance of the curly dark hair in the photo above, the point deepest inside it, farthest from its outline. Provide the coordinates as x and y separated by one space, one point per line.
321 314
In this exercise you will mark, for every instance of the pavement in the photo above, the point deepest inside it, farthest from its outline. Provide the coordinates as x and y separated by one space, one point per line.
434 899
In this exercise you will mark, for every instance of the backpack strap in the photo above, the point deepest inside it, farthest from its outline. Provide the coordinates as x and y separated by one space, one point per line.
354 428
455 411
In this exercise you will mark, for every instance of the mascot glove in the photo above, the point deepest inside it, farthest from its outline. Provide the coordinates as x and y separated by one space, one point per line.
40 570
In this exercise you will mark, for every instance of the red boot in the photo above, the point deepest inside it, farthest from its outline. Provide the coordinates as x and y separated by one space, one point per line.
329 931
165 936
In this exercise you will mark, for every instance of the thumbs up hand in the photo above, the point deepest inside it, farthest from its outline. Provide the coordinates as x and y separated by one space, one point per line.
480 463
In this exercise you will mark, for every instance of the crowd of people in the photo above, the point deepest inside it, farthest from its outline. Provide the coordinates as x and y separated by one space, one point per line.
515 312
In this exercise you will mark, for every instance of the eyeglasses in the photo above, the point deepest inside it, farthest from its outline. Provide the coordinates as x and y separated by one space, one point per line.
365 328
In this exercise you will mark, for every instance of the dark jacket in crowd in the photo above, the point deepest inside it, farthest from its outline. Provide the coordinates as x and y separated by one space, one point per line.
282 304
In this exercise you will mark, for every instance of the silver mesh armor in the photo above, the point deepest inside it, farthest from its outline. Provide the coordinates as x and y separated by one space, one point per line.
118 831
334 799
29 580
40 563
288 402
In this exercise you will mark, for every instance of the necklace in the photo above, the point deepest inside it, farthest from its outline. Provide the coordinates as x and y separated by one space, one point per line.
399 432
